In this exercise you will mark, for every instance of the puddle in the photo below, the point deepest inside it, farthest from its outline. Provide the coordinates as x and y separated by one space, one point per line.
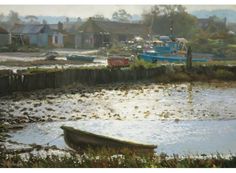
183 138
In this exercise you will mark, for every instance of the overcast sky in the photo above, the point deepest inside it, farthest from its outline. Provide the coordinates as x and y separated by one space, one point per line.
85 11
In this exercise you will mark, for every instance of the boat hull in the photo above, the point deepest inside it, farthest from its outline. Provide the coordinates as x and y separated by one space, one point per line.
78 139
80 58
118 62
176 58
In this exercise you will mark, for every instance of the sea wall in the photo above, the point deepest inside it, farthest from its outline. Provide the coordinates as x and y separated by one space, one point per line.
26 80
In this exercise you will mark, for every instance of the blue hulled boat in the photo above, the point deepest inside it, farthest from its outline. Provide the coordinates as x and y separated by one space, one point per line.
84 58
170 50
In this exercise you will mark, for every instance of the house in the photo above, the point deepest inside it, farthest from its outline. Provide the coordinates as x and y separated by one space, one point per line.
97 33
57 36
5 38
64 32
32 34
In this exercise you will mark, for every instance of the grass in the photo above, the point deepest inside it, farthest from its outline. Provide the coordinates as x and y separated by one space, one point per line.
224 74
104 159
232 45
143 64
215 62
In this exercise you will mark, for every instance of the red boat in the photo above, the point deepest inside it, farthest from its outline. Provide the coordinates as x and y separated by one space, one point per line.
118 62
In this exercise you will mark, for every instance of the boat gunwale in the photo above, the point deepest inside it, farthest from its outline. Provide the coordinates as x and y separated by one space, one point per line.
131 143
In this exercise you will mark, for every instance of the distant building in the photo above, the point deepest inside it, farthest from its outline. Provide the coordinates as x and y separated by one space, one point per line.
203 23
95 34
65 32
32 34
57 37
220 24
4 37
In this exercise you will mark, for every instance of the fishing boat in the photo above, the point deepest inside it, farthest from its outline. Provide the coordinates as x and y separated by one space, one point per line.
78 139
84 58
168 50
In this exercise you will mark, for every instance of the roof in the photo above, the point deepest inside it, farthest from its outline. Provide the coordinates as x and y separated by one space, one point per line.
3 31
114 27
28 29
68 27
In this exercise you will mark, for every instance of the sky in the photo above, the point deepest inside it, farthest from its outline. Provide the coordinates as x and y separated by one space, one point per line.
85 11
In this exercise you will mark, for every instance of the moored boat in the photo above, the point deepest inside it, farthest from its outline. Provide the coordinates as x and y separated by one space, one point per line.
78 139
51 55
84 58
151 57
118 62
169 50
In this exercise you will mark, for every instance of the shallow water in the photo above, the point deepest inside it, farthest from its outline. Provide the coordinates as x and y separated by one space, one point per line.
187 118
183 137
197 101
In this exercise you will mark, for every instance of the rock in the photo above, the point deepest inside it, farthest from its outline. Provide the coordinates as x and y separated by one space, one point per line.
25 113
147 113
6 124
177 120
49 119
24 109
49 109
17 107
37 104
49 102
16 127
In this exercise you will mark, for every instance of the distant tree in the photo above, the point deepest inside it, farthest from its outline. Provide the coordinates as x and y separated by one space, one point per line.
44 22
2 17
13 18
216 25
79 20
67 19
160 19
100 17
31 19
121 15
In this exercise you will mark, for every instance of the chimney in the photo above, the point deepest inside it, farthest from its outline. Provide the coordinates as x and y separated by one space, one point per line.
60 26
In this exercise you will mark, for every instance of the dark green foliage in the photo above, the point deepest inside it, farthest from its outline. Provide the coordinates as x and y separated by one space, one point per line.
161 17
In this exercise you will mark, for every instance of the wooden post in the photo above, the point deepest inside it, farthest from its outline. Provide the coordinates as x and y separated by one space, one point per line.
189 59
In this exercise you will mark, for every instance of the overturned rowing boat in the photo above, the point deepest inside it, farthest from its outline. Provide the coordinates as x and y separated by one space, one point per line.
78 139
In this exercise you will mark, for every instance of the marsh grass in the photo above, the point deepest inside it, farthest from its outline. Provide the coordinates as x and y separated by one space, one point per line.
143 64
224 74
106 159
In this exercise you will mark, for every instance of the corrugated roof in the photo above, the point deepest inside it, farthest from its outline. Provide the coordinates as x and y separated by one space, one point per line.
114 27
27 29
3 31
